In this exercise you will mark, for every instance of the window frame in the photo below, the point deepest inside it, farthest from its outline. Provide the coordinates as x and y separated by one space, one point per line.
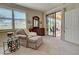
19 18
13 20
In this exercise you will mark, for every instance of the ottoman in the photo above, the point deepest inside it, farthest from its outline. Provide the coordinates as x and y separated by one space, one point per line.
35 42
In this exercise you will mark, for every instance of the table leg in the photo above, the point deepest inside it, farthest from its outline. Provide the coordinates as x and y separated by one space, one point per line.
4 47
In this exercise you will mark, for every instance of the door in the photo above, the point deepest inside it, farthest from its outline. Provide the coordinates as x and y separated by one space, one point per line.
58 23
51 24
54 24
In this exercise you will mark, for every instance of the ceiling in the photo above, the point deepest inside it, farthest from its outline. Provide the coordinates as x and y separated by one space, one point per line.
44 7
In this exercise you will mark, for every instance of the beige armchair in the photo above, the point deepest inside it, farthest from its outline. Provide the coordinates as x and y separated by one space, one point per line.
29 39
20 33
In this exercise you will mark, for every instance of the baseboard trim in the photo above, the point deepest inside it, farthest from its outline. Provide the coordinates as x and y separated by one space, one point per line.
71 42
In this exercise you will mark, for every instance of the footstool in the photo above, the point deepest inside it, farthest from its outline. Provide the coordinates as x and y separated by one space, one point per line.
35 42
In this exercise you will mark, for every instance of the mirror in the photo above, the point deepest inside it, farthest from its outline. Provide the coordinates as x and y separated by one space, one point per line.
35 21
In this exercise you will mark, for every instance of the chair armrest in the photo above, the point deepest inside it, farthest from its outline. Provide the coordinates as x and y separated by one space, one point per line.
24 36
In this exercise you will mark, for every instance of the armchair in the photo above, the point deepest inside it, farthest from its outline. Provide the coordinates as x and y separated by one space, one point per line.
22 37
34 41
29 39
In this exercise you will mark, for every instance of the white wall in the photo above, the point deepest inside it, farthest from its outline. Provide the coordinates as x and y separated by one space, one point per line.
72 26
30 12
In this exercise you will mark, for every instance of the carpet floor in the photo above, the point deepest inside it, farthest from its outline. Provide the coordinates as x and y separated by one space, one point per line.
51 46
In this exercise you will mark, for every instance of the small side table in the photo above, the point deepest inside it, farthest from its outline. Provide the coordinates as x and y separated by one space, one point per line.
9 43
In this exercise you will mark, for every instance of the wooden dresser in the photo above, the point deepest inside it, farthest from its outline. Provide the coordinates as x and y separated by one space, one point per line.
39 31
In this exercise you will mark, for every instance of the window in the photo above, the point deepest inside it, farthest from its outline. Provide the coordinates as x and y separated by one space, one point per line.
5 24
10 18
20 20
5 19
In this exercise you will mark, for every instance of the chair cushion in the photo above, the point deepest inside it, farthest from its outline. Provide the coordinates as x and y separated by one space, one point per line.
20 31
34 39
32 34
24 36
26 31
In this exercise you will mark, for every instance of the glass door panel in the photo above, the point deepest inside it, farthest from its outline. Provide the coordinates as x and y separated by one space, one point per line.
58 23
51 24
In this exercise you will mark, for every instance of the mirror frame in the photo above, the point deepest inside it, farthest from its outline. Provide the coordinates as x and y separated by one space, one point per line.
37 19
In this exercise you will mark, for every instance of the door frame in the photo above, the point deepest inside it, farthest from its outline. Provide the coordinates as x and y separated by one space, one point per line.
62 22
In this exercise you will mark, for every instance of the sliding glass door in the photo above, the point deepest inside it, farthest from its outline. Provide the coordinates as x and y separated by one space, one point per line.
51 24
58 23
54 24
